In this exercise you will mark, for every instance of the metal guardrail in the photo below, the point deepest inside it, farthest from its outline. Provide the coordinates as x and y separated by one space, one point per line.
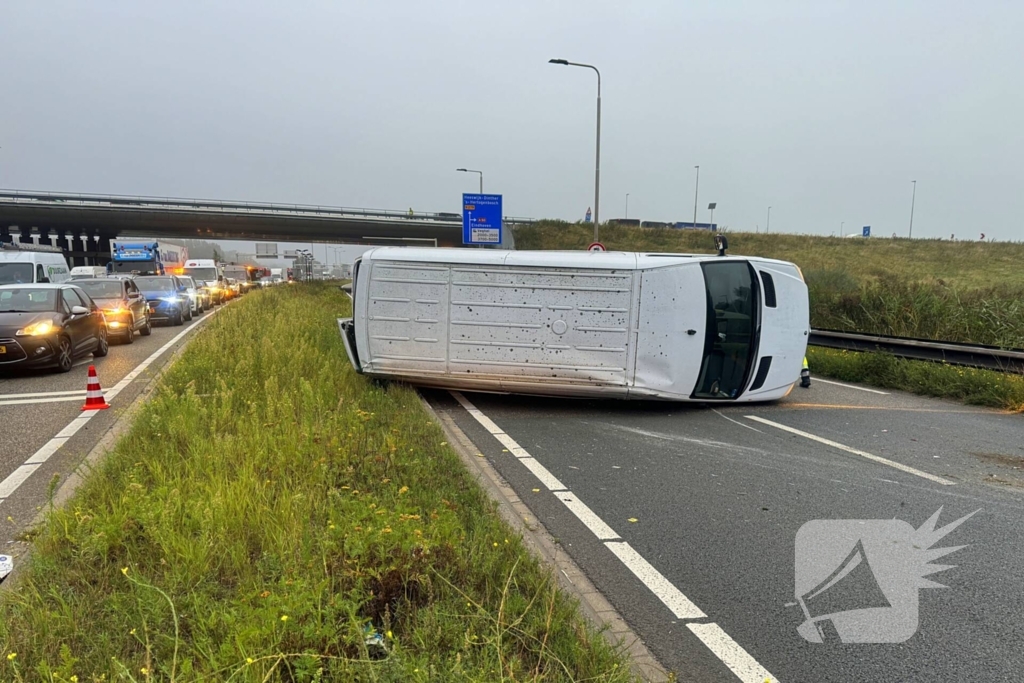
953 353
182 204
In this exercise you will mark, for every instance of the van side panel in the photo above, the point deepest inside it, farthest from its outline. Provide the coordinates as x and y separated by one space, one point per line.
544 325
406 317
672 302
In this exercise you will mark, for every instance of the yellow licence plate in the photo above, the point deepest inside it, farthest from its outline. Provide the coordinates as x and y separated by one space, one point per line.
3 349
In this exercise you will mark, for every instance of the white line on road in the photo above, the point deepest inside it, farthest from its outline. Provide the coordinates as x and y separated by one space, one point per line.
724 647
16 478
729 651
850 386
587 516
35 401
673 598
736 422
42 394
864 454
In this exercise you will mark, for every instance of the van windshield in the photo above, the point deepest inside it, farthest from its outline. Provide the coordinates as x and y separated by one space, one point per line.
732 331
15 273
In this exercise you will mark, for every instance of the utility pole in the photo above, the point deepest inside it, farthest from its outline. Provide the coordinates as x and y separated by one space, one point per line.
696 186
913 196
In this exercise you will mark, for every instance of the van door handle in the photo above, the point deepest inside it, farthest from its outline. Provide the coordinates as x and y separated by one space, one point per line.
691 332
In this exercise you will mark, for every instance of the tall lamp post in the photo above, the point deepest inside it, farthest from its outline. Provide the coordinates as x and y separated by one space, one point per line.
913 196
469 170
597 165
768 223
696 186
627 206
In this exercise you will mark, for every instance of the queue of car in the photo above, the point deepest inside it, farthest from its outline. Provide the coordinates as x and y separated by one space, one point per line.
46 324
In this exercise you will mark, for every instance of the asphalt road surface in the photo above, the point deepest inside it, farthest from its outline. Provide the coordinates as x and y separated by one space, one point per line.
687 518
39 407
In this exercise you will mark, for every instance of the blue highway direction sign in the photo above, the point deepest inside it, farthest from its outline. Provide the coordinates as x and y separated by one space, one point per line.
481 219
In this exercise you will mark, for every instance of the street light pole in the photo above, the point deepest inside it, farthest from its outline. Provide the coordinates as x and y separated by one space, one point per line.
769 221
696 185
627 206
481 173
912 198
597 164
842 232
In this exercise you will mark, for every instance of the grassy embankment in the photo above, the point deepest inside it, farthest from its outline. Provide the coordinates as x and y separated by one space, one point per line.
267 507
932 289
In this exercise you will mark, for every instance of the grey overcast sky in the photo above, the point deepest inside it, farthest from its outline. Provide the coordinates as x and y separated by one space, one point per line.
824 110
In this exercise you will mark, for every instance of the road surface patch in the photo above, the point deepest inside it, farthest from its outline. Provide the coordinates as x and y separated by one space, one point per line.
864 454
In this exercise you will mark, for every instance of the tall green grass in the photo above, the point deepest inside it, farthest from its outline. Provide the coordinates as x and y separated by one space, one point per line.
268 511
969 385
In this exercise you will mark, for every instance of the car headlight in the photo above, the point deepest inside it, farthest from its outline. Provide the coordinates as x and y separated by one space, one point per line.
37 329
169 299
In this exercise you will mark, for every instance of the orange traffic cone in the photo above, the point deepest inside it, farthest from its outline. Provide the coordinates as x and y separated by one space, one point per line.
93 394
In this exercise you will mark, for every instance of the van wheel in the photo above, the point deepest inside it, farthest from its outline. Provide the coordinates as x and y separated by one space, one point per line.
65 355
147 329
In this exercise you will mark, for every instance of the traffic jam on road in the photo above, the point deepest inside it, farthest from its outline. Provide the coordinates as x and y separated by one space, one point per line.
52 316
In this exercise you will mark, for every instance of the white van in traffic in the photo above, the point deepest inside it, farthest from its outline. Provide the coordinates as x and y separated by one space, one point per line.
24 263
86 272
682 327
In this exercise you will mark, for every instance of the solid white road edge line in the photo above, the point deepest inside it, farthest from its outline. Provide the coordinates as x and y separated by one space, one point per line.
16 478
864 454
673 598
718 641
729 651
850 386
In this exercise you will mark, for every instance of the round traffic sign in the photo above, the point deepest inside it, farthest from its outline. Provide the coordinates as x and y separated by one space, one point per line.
596 246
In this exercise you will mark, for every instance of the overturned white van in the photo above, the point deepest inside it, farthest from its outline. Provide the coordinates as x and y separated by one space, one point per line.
681 327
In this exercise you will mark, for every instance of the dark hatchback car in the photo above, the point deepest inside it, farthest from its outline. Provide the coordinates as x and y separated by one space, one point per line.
123 305
44 325
167 297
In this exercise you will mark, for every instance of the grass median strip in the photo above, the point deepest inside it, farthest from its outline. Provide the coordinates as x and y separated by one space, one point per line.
273 516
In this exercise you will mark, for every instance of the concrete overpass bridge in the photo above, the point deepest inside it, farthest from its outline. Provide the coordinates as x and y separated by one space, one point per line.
84 224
